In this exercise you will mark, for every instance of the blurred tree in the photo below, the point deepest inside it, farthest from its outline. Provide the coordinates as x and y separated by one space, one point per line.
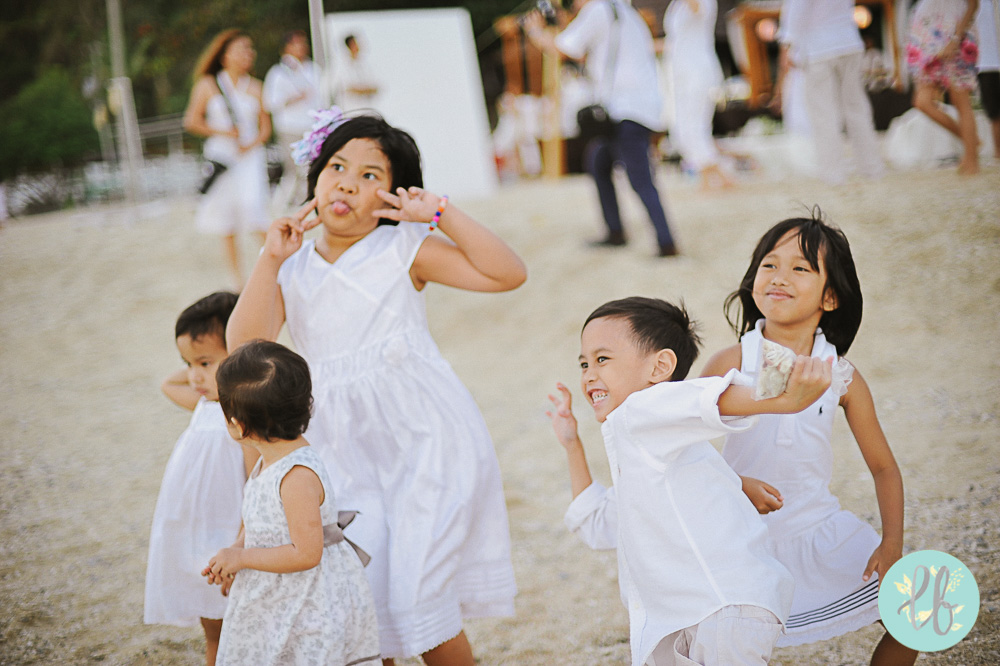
47 124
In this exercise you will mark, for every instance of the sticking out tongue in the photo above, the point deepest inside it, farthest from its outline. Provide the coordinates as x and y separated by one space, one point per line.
340 208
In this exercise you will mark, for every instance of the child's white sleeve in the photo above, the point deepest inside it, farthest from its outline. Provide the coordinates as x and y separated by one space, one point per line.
666 417
593 516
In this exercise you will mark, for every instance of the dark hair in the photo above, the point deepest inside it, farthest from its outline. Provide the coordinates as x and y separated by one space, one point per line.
348 40
817 240
207 316
656 324
210 61
266 387
398 146
291 36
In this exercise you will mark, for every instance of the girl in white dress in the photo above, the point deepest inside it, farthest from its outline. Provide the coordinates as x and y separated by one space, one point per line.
403 439
696 76
226 108
198 509
298 594
802 291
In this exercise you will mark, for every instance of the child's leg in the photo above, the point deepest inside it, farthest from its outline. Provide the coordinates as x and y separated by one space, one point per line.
454 652
213 629
925 99
232 258
967 130
890 652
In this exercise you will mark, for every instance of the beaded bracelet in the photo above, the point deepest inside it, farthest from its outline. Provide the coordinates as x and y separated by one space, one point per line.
437 214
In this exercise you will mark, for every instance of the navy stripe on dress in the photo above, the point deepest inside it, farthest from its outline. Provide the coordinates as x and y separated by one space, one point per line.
841 606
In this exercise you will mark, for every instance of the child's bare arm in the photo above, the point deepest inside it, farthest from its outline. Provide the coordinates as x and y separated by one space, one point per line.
565 427
474 258
859 408
301 495
260 310
809 380
178 389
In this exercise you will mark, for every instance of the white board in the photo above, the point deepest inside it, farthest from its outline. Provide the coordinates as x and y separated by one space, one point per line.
429 85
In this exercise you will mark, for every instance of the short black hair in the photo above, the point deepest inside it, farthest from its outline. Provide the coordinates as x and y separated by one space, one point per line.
398 146
348 39
817 239
292 35
266 387
656 324
207 316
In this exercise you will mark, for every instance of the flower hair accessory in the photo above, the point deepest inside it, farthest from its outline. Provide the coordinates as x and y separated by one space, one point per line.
308 149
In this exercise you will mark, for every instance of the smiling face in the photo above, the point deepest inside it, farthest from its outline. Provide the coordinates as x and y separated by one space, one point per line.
203 356
787 289
612 365
346 188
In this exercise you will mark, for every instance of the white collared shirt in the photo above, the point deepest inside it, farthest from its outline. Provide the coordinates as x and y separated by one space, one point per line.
285 81
818 30
633 92
689 541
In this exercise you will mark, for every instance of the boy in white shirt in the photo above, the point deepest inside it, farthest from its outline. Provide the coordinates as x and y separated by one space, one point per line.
695 567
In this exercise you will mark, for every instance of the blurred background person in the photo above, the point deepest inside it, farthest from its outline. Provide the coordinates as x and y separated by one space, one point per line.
291 93
358 85
226 108
618 48
689 54
821 38
989 68
942 54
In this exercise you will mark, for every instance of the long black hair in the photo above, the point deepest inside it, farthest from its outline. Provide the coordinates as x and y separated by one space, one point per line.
818 241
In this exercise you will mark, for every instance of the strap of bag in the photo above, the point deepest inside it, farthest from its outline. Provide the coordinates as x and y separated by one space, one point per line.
609 71
225 98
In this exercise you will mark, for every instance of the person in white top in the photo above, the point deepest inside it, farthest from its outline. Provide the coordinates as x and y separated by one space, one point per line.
291 94
358 88
618 48
821 38
695 566
226 108
988 65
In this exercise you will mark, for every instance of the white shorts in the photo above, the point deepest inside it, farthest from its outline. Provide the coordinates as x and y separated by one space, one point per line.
730 636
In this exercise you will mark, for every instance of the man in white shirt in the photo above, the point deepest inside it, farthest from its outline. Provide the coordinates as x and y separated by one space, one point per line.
291 93
620 60
358 88
822 38
695 566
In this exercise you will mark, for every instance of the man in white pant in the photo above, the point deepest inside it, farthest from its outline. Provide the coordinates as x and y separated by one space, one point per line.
823 40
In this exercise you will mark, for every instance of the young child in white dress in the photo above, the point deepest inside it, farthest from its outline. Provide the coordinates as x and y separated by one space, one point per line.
695 566
298 594
404 441
802 291
198 509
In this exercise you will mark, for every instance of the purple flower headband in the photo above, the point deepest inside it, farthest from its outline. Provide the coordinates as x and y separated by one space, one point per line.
308 149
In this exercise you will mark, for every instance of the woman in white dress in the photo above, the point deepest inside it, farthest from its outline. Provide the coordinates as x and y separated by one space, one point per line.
226 108
689 27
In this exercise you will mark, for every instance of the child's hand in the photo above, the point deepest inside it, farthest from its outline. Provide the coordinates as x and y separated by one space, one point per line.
810 378
224 566
412 205
764 497
563 421
882 559
284 237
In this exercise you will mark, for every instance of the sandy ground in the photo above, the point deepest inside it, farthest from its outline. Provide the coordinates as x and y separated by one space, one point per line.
89 299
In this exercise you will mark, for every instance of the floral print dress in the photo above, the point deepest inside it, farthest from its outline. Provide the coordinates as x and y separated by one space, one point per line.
931 28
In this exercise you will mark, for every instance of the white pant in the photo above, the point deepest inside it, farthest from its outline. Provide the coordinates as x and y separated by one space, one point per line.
835 98
731 636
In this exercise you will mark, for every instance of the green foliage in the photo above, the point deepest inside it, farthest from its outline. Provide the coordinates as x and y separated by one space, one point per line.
47 124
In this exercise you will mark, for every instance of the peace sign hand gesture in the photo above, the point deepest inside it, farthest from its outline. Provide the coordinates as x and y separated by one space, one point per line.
284 237
412 205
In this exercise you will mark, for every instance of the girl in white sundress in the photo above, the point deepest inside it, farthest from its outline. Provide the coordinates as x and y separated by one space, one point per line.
404 441
802 291
298 595
198 508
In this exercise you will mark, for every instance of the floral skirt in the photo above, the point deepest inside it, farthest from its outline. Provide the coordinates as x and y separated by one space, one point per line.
928 36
